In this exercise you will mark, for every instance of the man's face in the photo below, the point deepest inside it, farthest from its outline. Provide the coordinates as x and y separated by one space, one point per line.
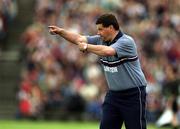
104 32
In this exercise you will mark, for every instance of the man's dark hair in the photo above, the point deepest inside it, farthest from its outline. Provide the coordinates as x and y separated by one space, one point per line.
108 19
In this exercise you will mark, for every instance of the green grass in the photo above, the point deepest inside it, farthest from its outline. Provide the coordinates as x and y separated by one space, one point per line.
53 125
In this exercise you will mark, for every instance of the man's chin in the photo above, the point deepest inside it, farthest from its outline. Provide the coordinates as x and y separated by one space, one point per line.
105 40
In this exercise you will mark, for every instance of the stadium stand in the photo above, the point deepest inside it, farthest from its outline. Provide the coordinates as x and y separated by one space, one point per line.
17 17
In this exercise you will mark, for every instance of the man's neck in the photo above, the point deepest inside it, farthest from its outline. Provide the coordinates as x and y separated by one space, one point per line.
114 35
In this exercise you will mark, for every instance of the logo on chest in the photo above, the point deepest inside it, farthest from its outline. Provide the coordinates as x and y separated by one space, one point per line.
110 69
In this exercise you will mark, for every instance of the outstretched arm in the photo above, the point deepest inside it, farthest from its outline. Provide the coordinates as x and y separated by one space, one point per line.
69 36
80 40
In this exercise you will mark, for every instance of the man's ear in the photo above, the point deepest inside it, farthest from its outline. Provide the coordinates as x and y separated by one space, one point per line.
111 27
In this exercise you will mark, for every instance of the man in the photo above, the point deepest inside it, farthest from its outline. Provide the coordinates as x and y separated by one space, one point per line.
126 97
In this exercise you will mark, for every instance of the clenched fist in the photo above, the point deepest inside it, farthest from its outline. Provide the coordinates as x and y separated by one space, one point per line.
83 46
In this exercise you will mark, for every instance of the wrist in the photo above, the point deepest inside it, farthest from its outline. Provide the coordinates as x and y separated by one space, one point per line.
60 32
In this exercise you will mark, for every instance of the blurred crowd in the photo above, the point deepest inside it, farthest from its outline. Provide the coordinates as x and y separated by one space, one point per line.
8 11
59 81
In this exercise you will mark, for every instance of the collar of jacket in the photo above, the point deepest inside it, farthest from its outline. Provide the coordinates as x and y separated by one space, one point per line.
119 35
